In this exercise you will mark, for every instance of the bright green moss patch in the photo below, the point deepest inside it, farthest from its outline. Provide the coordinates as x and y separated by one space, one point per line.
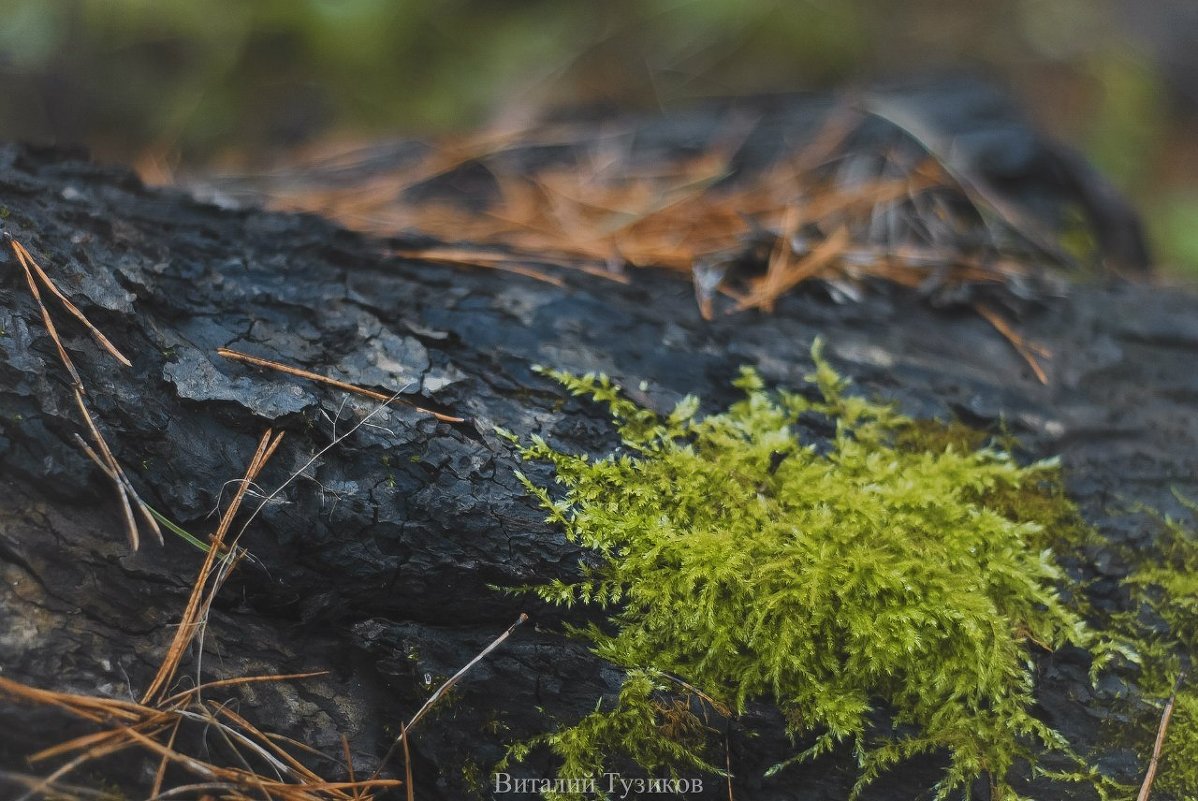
846 581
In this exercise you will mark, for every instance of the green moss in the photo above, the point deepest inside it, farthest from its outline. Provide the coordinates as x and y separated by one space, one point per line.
882 575
935 435
1039 497
473 779
1163 626
657 735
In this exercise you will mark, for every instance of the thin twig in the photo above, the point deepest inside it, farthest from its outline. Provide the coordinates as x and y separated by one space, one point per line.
1154 763
444 688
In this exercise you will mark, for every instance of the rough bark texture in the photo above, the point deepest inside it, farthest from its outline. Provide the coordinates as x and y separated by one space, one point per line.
380 562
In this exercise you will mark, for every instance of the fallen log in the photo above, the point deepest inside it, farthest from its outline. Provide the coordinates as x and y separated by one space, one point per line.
384 527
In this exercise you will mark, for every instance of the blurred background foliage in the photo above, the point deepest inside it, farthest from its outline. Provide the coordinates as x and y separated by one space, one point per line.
201 82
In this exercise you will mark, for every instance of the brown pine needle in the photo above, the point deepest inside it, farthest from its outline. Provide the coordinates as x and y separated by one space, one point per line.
791 273
126 510
160 774
46 319
600 213
289 763
126 494
780 259
349 763
144 724
112 742
188 626
80 743
117 473
27 261
257 361
407 765
1159 745
154 724
472 258
62 792
1026 349
186 695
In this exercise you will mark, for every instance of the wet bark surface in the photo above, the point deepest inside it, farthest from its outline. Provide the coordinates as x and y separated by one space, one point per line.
380 562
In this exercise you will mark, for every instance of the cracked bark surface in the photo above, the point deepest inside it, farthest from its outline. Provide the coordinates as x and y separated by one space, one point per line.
380 563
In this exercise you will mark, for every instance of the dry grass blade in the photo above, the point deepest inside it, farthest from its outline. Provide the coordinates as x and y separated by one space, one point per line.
728 766
122 496
444 688
332 382
268 749
207 716
191 614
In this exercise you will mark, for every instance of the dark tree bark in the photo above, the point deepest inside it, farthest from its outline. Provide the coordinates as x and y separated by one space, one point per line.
378 564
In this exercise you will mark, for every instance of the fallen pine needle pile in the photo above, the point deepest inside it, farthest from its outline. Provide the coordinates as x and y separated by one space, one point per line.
841 211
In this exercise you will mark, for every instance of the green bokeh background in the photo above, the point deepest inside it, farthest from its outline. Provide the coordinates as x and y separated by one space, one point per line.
214 81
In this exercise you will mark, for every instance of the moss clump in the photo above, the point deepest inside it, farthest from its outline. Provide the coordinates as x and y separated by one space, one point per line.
1163 627
848 581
